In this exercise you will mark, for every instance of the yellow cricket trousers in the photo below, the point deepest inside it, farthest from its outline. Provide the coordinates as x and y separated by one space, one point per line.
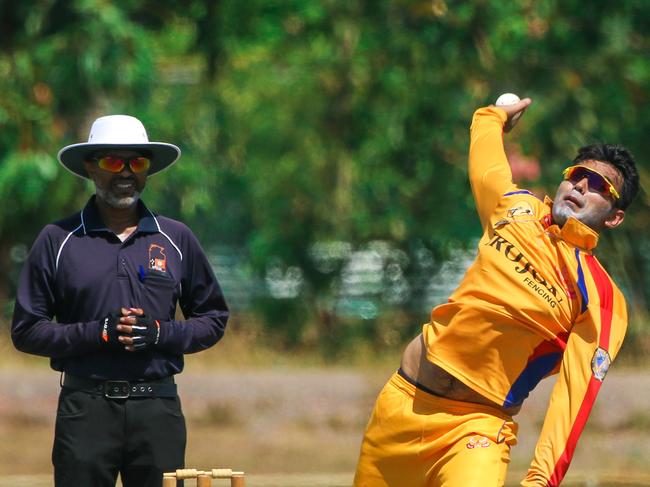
415 438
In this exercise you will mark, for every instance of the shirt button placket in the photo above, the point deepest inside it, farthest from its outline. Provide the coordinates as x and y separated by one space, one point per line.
121 266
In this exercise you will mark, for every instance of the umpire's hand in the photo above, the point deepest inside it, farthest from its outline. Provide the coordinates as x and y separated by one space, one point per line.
138 331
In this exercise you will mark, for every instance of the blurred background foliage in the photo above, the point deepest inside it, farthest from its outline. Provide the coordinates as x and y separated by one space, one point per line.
324 141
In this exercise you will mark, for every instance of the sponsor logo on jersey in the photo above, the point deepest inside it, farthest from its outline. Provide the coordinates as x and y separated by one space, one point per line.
600 363
533 279
478 442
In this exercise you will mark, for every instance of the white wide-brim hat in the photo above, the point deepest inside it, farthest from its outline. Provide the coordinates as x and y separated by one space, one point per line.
118 132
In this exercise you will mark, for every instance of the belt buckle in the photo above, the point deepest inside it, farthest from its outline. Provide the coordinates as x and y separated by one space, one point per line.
117 389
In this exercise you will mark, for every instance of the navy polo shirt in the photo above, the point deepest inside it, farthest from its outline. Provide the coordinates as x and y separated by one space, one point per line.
78 271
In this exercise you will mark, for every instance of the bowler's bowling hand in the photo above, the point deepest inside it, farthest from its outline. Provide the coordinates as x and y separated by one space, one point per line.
515 112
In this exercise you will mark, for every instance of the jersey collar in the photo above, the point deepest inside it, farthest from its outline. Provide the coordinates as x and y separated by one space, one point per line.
573 232
93 220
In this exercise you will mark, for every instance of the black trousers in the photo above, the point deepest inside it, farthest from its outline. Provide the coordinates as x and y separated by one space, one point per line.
96 437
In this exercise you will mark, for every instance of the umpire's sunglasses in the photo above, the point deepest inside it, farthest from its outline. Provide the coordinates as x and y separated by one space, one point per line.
596 181
117 164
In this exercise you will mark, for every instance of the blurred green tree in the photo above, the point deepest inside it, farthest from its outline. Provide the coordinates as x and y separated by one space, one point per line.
305 121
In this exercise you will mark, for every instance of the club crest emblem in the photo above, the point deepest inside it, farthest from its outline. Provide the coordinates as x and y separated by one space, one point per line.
600 363
478 442
157 258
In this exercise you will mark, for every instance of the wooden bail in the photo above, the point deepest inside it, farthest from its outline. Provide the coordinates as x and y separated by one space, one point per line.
221 473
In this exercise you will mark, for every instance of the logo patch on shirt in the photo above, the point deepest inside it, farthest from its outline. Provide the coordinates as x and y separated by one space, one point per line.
478 442
157 258
522 209
600 363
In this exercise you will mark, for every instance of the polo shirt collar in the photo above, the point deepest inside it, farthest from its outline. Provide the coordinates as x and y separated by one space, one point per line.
574 231
93 222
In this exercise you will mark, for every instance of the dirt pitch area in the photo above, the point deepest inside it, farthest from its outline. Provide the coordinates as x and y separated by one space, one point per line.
299 427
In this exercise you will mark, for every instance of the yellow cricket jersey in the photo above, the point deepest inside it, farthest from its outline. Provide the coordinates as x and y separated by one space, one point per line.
534 303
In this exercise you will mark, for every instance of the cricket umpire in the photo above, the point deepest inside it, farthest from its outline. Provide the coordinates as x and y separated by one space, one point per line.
98 295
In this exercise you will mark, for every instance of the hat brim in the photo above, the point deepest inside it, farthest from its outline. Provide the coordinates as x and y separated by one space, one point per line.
163 155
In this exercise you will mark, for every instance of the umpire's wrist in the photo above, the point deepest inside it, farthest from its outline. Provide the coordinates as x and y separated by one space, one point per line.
93 333
165 342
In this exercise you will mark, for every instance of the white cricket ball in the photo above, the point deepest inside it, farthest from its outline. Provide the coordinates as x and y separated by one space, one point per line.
507 99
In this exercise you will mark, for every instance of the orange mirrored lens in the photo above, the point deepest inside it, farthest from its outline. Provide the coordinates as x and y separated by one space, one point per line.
139 164
111 164
117 164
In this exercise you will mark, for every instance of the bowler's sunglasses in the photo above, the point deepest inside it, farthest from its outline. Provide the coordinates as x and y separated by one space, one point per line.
117 164
596 181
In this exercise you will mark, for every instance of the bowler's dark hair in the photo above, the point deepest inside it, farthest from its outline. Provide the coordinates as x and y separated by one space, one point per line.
619 157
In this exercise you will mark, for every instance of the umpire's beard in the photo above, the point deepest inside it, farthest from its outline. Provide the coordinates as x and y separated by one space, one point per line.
117 202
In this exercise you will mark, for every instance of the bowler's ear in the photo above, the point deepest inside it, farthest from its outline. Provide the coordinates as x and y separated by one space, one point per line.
615 219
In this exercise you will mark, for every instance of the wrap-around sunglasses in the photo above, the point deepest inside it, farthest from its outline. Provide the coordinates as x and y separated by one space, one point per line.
117 164
596 181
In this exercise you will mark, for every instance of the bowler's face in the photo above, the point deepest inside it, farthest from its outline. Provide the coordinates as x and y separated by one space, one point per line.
578 200
118 190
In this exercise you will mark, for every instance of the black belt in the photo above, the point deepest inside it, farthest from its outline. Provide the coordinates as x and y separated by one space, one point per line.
417 385
122 389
